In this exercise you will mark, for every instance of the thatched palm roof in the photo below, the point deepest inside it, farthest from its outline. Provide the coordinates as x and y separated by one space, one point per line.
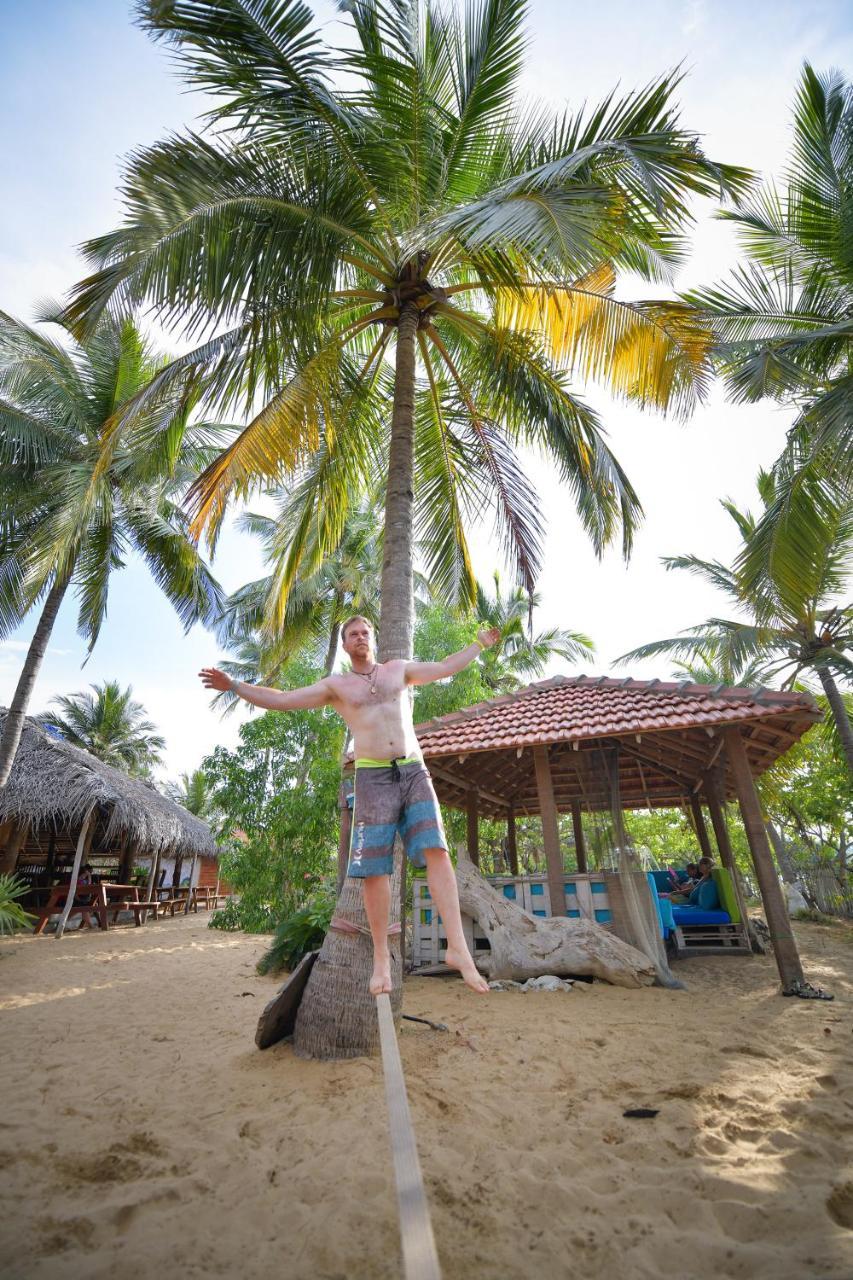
53 784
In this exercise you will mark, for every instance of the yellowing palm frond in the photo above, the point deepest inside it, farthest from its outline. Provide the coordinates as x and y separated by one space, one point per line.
653 353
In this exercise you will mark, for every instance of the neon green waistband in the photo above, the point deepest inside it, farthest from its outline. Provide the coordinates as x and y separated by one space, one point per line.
386 764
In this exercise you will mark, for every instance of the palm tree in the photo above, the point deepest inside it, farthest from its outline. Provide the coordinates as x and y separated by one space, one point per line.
110 725
519 657
420 209
385 226
69 514
784 320
194 793
789 575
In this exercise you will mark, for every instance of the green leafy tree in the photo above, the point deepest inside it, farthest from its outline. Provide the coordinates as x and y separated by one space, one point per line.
70 514
194 793
394 199
109 724
784 321
278 792
790 581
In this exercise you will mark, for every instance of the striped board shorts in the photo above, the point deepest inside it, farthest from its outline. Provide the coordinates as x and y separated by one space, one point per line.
391 797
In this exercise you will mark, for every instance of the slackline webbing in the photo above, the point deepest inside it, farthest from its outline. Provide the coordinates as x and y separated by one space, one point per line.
420 1260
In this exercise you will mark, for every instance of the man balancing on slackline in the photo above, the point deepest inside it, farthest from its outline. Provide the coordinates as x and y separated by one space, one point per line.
393 790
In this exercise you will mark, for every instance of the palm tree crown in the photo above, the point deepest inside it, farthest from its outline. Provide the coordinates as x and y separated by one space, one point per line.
519 655
420 206
109 724
790 576
785 320
70 511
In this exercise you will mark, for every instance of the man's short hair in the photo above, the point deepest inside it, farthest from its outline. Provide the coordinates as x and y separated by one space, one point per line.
356 617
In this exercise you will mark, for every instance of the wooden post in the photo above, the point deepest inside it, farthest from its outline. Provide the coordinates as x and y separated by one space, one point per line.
550 832
781 934
152 877
344 836
473 828
84 844
9 859
580 842
128 857
721 834
511 842
699 827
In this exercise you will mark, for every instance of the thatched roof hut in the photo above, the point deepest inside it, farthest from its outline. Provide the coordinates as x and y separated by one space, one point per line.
52 788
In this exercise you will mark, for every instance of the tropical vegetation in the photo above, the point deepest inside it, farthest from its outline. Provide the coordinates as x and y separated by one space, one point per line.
394 200
109 724
72 513
791 588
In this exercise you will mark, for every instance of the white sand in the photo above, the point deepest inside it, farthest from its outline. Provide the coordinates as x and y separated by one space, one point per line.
143 1135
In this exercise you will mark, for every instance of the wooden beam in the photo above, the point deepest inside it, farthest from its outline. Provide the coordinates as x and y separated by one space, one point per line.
473 813
700 828
511 844
464 784
550 832
781 934
580 842
84 844
17 839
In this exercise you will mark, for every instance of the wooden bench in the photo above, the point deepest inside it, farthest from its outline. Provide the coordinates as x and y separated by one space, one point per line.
116 898
58 896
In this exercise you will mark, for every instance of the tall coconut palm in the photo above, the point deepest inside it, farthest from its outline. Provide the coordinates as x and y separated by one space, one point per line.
792 589
420 211
194 793
404 265
109 724
784 320
67 520
518 656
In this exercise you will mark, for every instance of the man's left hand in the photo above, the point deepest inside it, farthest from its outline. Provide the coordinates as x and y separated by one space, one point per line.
489 637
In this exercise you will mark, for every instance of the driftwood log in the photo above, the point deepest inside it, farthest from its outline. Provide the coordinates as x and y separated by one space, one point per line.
525 946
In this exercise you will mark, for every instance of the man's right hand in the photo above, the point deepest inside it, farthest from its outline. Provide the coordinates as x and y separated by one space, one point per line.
213 678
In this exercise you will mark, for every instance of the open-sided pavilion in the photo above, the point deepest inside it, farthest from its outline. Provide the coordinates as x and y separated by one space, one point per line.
585 744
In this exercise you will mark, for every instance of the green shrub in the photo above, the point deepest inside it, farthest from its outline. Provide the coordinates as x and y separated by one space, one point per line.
299 932
251 917
12 914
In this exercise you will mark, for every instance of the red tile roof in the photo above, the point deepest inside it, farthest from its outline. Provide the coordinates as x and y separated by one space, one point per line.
567 709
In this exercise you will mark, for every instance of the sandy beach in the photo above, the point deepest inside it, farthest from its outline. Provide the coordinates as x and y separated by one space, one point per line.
143 1135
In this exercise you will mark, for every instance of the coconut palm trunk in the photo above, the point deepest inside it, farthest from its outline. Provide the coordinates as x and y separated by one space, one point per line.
397 618
14 726
337 1016
839 714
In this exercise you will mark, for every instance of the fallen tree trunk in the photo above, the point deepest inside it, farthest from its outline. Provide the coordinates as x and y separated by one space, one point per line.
525 946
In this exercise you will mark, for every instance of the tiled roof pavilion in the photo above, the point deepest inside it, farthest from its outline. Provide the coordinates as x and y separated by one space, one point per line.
667 739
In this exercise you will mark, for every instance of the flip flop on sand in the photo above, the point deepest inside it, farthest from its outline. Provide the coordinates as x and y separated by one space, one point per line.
805 991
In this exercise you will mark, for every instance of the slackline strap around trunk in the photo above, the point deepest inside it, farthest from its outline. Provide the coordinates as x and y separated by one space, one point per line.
420 1260
349 926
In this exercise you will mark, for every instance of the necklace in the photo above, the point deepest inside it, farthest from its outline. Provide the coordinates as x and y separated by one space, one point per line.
369 676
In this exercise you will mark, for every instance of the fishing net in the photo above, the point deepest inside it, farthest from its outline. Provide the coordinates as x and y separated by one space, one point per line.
634 916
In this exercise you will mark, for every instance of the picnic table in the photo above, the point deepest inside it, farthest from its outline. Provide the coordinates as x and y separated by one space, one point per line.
57 896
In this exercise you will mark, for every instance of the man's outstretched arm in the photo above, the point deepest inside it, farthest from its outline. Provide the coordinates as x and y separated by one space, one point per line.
304 699
427 672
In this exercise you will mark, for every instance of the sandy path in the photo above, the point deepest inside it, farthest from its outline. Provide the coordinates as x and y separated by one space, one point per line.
144 1136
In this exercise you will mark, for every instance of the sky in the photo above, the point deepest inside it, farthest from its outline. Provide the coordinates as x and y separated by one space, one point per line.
82 87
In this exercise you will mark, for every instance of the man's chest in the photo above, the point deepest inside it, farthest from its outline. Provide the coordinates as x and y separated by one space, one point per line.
379 689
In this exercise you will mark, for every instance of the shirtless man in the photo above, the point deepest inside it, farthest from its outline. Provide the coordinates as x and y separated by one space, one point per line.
393 790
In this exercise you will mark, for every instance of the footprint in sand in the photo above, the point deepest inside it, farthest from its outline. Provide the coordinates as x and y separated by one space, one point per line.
839 1206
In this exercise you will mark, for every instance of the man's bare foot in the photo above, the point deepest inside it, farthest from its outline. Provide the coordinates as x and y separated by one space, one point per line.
463 961
380 979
